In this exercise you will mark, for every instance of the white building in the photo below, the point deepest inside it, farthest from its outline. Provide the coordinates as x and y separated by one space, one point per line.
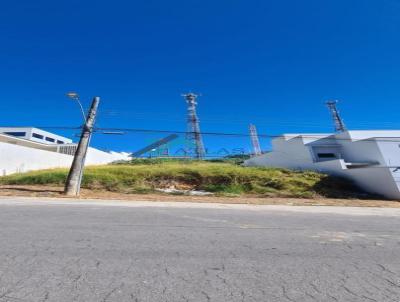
370 158
26 149
35 134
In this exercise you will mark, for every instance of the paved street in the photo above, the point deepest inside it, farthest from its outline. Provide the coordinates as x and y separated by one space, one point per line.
95 251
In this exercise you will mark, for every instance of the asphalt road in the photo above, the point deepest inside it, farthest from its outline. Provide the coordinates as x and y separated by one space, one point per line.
66 251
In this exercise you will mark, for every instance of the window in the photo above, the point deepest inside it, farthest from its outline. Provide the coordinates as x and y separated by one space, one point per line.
326 155
60 142
19 134
35 135
49 139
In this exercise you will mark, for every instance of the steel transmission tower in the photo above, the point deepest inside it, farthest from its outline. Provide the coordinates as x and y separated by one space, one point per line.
339 124
193 135
254 140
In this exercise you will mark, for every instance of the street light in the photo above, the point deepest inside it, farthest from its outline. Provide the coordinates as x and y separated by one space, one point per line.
75 97
86 135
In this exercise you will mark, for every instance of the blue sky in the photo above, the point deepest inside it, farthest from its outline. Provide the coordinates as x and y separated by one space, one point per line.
273 63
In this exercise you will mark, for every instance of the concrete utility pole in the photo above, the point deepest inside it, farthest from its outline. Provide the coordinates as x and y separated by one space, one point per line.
74 180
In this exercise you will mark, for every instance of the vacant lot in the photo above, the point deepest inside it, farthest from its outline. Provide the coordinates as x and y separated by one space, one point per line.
222 179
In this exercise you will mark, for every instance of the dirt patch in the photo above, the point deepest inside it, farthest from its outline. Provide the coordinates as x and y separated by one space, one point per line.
56 191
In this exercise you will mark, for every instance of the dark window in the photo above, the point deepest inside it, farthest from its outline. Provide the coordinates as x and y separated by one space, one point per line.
35 135
16 133
60 142
49 139
326 155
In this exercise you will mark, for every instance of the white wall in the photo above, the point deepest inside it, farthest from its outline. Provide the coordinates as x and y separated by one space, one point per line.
291 154
380 178
98 157
18 159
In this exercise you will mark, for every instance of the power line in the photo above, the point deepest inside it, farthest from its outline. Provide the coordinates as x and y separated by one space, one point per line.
269 121
289 136
329 136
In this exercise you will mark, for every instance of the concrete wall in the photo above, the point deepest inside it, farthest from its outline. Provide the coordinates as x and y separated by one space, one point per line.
287 153
380 177
18 159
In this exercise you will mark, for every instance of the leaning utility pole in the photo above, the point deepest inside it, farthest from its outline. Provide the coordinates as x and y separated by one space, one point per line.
74 180
339 124
254 140
193 135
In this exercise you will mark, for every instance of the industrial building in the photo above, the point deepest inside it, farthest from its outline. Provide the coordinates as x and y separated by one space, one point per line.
25 149
35 135
369 158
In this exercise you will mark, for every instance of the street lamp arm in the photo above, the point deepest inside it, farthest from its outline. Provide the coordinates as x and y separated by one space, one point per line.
75 97
82 111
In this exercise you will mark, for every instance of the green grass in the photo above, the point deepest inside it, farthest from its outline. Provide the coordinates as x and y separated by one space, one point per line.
232 159
221 178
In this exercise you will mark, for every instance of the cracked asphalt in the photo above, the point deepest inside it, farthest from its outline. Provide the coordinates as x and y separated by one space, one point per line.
71 251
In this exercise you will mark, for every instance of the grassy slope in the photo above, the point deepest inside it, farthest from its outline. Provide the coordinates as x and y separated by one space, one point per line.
221 178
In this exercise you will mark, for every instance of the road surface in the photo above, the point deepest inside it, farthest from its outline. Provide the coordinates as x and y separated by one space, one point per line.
117 251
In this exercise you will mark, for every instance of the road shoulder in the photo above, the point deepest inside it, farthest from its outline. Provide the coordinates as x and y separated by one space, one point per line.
357 211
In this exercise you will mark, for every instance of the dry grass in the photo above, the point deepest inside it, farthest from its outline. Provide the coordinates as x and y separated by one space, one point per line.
57 192
223 179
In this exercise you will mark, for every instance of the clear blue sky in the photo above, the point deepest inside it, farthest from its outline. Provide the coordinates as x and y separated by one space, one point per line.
273 63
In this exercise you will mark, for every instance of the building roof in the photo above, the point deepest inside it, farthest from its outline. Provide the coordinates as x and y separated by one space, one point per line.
350 134
31 130
4 138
